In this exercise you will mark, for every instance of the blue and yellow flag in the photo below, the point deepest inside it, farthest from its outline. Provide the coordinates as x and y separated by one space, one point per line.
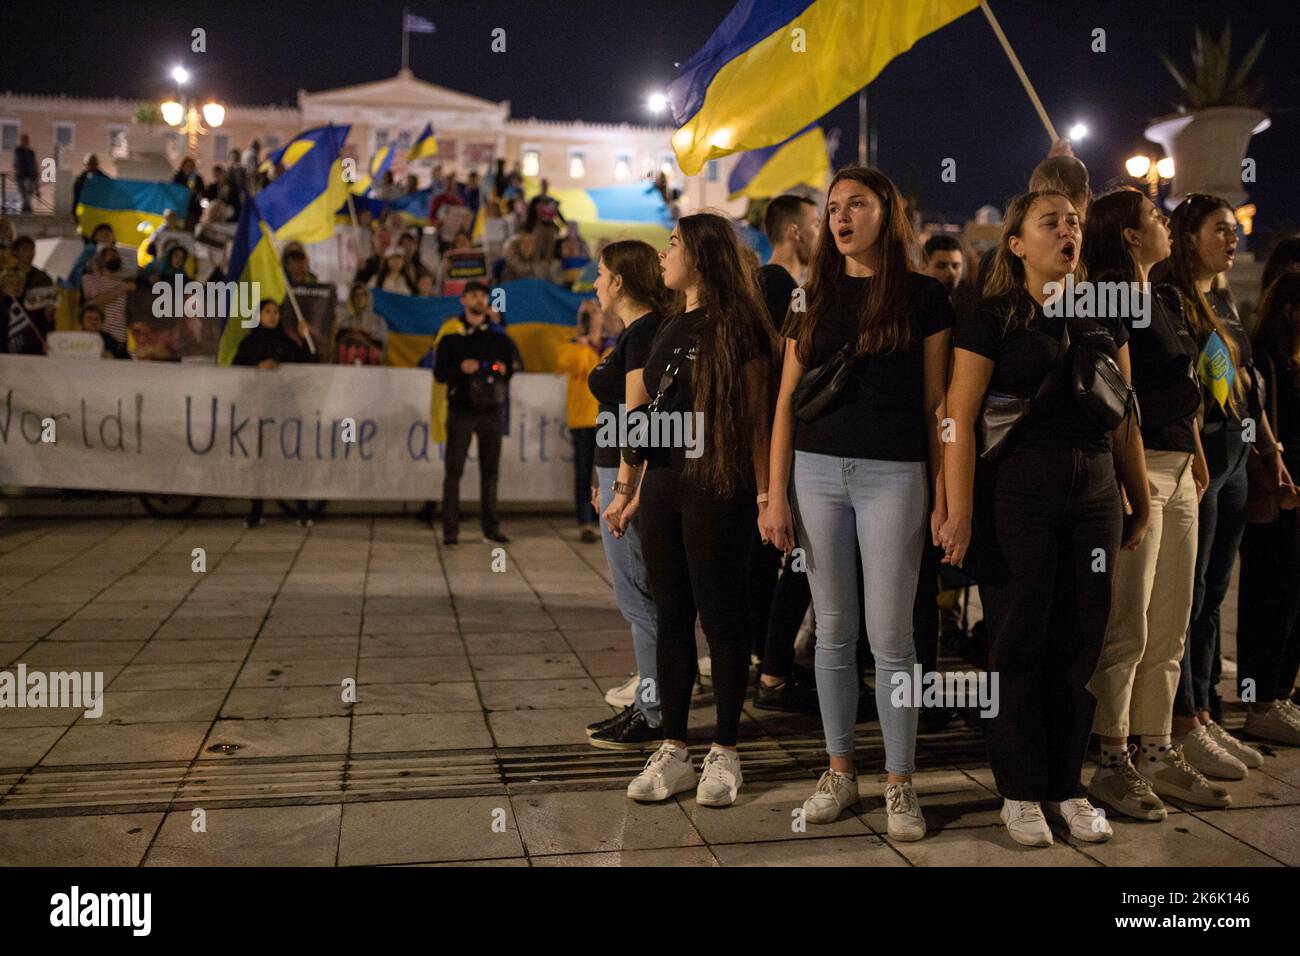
800 161
1214 366
134 208
379 163
774 66
296 148
252 259
301 203
425 146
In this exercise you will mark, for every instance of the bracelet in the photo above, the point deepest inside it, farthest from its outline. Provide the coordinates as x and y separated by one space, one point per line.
762 499
622 487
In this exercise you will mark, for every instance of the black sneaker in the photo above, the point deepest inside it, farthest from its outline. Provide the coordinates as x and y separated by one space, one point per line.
790 696
426 514
496 536
932 720
621 717
635 733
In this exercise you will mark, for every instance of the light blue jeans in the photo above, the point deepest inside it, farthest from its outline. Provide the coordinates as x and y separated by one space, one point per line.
879 507
635 602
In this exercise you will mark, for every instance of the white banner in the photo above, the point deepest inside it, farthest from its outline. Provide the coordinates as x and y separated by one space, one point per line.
256 433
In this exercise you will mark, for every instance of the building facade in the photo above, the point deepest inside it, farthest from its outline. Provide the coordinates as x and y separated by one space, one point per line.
471 133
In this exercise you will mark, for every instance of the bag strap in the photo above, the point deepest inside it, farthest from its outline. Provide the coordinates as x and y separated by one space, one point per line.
671 372
1058 367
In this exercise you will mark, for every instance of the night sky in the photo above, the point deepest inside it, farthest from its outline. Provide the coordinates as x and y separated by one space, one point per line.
953 95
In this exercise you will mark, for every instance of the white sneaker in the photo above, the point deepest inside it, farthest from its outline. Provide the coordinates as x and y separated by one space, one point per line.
1170 775
1289 706
905 822
835 793
624 695
1247 754
1086 822
1026 823
1274 723
667 772
720 778
1122 788
1204 753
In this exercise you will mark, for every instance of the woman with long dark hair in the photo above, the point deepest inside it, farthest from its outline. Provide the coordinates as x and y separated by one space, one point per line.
711 372
629 284
1048 511
1204 244
1151 599
1268 598
857 473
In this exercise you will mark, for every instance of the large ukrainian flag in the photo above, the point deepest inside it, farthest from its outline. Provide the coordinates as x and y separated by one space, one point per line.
301 203
134 208
774 66
770 171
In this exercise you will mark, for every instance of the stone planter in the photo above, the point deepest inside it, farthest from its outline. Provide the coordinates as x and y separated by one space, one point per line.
1208 147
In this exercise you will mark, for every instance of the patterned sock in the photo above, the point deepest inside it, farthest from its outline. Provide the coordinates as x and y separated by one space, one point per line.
1114 755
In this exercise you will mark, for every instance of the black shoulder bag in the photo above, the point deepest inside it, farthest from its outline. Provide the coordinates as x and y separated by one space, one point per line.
634 455
1002 412
821 385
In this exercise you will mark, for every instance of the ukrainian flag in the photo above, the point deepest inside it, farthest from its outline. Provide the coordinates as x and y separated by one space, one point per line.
1214 366
425 146
774 66
296 148
133 208
302 202
381 161
770 171
252 259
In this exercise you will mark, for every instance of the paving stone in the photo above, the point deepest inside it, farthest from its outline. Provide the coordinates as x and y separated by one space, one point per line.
250 836
418 831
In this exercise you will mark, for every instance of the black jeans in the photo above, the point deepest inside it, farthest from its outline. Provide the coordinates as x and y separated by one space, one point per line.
584 461
762 566
694 545
1050 532
461 426
1221 520
1268 609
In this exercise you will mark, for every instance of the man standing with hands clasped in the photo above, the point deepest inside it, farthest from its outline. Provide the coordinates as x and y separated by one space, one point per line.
476 366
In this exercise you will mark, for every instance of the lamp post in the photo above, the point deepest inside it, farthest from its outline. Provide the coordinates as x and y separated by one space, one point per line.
1152 173
184 111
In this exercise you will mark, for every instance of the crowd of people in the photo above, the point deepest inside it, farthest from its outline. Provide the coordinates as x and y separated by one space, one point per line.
872 420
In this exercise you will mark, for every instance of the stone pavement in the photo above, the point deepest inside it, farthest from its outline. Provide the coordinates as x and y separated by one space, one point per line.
224 693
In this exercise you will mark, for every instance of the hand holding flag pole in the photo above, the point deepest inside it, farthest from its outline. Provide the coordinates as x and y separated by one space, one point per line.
303 327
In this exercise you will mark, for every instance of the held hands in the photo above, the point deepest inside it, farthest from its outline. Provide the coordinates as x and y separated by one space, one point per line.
619 514
775 525
954 538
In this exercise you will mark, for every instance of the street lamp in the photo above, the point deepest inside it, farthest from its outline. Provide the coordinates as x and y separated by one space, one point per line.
183 112
1077 132
657 102
1153 174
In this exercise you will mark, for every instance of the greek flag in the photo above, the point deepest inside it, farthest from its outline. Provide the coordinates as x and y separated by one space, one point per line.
415 23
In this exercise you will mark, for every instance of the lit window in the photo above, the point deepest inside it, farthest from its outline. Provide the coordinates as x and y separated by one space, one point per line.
532 162
622 166
577 163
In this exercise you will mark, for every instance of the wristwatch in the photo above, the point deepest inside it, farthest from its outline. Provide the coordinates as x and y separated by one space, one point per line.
621 487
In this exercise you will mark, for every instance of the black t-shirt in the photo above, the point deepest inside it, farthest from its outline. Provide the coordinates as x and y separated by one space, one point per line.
778 286
880 413
1163 356
1281 372
608 379
677 345
1023 355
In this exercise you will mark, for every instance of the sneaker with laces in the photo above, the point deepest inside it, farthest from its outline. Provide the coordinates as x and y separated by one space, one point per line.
624 695
1274 723
835 793
1170 775
667 772
1289 706
1126 791
1247 754
720 778
635 733
1204 753
1026 823
1085 822
621 717
904 820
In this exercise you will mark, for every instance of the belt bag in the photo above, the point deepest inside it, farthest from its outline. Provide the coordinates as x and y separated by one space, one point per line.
1100 388
820 386
487 392
1002 413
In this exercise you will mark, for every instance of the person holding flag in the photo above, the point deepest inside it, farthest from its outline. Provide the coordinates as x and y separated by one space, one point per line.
1204 239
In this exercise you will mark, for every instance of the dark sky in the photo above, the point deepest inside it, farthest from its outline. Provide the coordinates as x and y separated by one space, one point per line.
953 95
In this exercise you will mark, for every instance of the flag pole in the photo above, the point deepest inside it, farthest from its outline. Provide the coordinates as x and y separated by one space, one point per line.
288 287
1020 70
405 42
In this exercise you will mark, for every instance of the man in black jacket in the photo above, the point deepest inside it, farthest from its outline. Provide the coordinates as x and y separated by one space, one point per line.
476 366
